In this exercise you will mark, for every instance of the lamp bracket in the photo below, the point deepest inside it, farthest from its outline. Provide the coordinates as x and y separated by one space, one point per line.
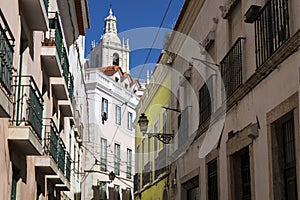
165 138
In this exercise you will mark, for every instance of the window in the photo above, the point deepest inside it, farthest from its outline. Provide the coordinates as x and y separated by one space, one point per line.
205 101
241 188
105 106
102 187
129 120
129 162
183 127
116 59
192 188
212 176
165 122
103 154
117 159
118 115
284 158
156 141
143 153
117 192
137 159
128 194
271 29
149 148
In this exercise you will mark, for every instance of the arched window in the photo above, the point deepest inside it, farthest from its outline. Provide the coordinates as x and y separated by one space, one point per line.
116 59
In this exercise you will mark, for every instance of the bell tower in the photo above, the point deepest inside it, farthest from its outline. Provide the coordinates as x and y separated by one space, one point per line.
110 51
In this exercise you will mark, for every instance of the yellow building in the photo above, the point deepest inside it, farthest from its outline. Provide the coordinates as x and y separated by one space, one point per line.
151 178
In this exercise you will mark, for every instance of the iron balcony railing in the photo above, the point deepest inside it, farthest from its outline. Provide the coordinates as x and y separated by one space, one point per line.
28 104
271 29
232 67
61 156
6 54
51 139
65 66
68 167
46 3
66 73
54 35
54 147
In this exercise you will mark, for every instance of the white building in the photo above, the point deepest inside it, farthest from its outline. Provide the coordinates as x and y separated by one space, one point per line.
111 92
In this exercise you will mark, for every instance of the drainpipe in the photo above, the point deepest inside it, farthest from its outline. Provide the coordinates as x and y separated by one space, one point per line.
19 80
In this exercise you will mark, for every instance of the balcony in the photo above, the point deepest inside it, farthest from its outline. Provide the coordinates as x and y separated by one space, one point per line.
6 61
271 29
66 73
52 47
57 162
26 130
59 88
47 163
75 24
38 19
232 68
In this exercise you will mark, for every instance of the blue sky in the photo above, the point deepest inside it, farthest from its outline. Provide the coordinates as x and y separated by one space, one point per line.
133 16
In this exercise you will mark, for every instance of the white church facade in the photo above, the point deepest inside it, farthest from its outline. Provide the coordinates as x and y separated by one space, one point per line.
112 97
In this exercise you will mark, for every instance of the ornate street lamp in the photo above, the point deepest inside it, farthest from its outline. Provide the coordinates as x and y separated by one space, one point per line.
111 176
166 138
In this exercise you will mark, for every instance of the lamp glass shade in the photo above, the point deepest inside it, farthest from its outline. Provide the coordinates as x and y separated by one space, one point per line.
143 122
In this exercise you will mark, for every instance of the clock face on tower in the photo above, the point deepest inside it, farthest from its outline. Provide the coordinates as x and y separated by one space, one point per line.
116 59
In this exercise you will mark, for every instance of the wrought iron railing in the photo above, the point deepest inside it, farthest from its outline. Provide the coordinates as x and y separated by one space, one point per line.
61 155
66 73
28 104
65 66
71 86
6 54
54 35
46 3
68 167
205 101
232 68
271 29
51 139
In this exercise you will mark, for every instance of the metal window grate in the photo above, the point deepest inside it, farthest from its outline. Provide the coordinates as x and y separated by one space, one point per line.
271 29
245 171
231 68
212 180
205 102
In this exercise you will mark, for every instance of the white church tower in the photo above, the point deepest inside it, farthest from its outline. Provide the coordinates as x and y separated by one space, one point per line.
110 51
